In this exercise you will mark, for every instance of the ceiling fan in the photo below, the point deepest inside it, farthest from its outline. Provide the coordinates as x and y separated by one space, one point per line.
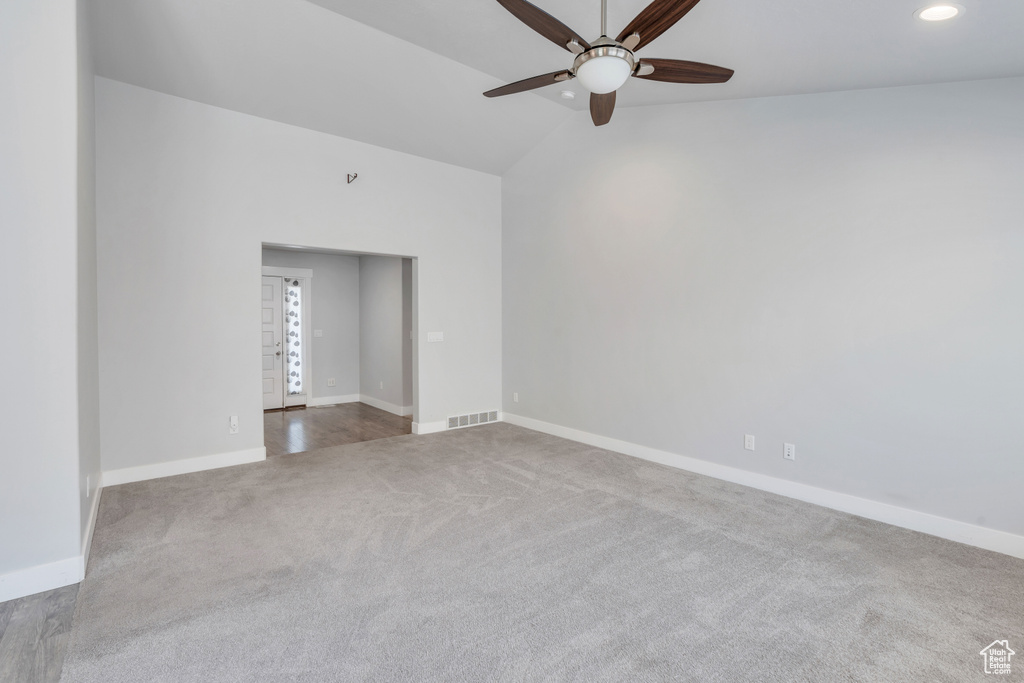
604 65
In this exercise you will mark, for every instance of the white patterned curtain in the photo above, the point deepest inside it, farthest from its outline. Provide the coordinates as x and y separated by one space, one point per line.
293 324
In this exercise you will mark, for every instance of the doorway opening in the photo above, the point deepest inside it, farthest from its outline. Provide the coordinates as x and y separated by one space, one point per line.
338 347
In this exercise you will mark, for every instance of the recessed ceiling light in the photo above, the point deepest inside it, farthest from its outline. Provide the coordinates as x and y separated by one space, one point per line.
939 12
568 95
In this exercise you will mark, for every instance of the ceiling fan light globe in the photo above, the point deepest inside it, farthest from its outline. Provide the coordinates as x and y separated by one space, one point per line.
603 75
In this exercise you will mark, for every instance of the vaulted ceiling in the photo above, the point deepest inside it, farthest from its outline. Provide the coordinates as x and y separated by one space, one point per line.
408 74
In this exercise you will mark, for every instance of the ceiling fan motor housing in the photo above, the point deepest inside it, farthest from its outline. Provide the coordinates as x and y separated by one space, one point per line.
604 67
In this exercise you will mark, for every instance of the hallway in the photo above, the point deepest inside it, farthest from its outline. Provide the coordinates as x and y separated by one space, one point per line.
298 430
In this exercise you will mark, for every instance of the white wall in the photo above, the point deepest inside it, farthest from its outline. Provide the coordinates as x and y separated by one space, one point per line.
334 311
88 340
39 492
186 195
381 333
840 271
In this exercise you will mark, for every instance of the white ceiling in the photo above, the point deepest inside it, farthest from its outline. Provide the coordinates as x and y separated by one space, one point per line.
413 81
782 47
295 62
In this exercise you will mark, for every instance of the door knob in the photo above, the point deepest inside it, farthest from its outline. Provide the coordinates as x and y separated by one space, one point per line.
278 353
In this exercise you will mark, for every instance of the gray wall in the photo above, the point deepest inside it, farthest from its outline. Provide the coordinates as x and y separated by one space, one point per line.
187 194
407 372
39 462
381 318
839 271
88 340
335 311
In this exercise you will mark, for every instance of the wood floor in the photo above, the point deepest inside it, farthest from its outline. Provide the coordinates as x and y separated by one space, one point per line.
295 431
34 633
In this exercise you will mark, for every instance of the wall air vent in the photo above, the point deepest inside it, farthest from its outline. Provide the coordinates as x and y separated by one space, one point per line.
472 419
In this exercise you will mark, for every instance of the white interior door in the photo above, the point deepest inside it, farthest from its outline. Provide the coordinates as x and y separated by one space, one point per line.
273 333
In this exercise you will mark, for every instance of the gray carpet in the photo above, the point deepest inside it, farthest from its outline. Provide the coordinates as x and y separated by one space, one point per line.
498 553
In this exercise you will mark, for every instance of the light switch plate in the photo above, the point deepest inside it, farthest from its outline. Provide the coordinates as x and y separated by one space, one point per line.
435 336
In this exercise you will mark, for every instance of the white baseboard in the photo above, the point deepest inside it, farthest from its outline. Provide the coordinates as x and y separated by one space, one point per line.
43 577
332 400
961 532
175 467
384 405
46 577
429 427
90 526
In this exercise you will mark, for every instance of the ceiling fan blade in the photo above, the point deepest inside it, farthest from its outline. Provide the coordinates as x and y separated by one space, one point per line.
601 107
655 19
530 83
543 23
678 71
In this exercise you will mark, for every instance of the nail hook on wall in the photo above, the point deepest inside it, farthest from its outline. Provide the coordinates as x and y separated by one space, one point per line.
351 177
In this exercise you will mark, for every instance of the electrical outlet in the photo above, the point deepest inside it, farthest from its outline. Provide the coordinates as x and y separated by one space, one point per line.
748 442
789 452
515 397
331 382
233 425
318 333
